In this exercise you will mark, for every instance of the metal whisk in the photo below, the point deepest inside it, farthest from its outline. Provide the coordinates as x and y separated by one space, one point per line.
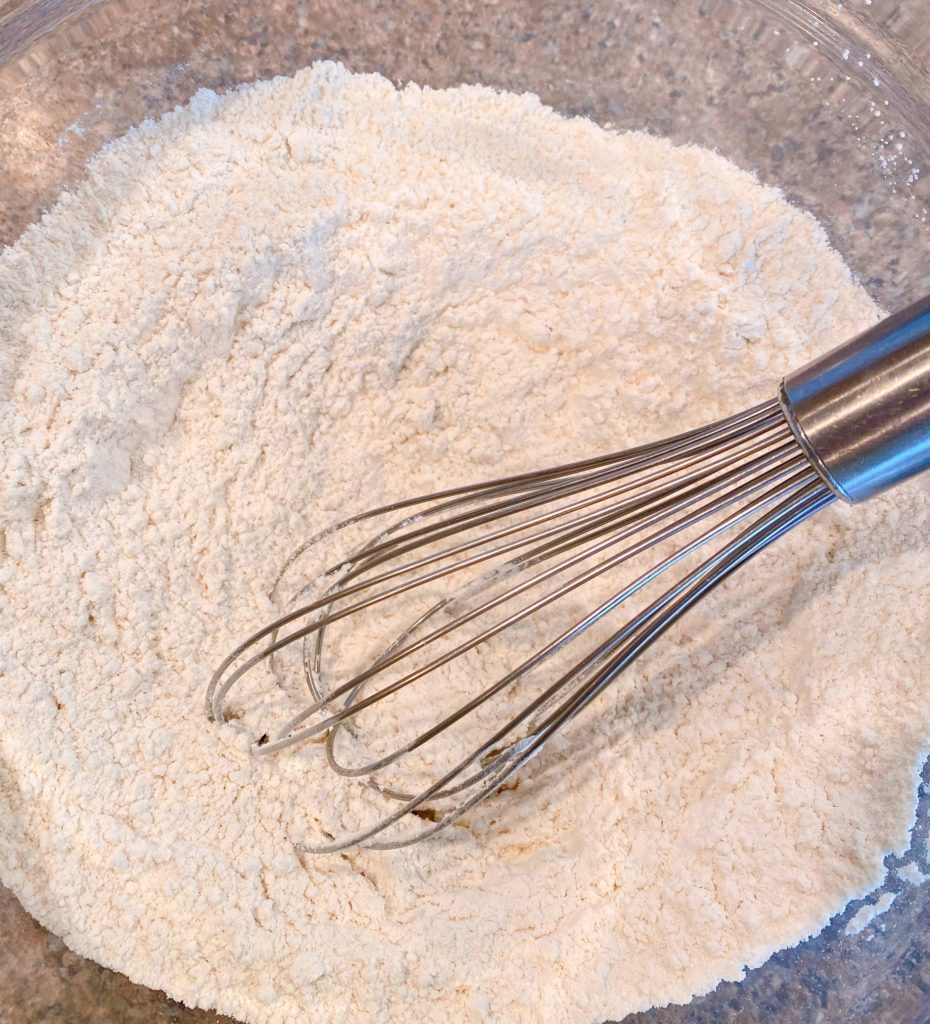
446 576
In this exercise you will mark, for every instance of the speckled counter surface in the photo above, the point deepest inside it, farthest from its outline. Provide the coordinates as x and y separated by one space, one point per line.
882 974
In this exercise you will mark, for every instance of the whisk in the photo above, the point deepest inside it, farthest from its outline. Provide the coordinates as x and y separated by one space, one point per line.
465 568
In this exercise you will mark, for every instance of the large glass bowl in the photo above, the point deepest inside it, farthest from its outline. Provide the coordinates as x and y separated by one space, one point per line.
828 100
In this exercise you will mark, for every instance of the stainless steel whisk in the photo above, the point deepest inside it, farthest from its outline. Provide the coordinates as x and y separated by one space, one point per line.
848 425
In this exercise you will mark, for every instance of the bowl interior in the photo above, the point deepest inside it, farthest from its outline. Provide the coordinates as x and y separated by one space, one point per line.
821 99
826 100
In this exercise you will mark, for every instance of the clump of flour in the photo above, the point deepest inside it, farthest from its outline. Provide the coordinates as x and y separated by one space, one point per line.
272 309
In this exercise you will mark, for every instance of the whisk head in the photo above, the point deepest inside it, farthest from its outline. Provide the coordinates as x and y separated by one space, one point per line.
443 652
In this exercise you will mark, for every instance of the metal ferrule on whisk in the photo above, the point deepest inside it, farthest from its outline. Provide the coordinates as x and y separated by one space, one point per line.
862 411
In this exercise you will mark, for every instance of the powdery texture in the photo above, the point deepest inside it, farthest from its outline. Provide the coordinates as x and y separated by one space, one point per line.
912 874
865 915
274 308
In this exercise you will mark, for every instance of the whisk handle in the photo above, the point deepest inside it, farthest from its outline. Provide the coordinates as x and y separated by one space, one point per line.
862 411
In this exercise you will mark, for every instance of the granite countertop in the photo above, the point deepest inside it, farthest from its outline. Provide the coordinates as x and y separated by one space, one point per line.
880 975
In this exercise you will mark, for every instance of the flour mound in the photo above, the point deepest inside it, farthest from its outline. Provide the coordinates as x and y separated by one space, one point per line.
274 308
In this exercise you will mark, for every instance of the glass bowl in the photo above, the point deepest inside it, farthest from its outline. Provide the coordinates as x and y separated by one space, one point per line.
828 100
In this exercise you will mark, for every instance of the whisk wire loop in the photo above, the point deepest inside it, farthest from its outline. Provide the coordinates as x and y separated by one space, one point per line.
491 558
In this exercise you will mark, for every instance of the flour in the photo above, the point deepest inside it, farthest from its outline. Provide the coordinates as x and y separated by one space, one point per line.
911 874
865 915
272 309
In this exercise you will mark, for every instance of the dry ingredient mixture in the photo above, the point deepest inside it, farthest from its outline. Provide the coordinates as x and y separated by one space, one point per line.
271 309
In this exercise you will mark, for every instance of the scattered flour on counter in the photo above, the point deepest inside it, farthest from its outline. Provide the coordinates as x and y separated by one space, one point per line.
912 874
864 916
273 308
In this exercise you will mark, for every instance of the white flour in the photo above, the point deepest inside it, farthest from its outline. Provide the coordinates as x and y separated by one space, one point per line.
275 308
864 916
